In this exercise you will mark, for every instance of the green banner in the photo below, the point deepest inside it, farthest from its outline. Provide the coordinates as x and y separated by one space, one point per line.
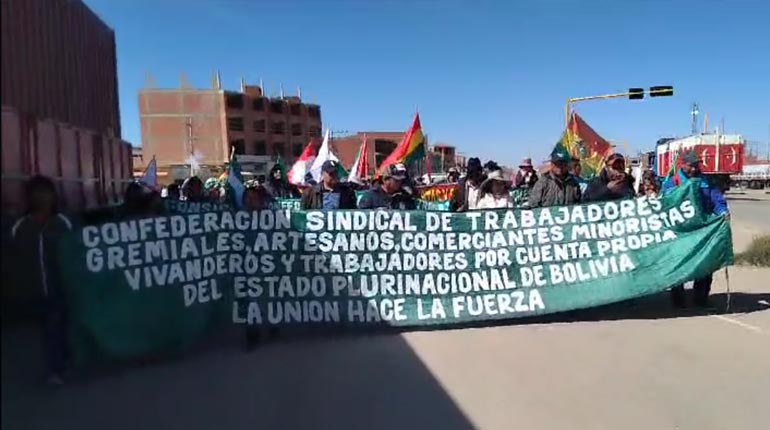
147 285
425 205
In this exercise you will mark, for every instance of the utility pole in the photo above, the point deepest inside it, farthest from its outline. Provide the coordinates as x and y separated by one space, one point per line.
694 112
190 144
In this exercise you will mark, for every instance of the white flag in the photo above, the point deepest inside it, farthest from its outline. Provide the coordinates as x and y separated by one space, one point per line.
324 154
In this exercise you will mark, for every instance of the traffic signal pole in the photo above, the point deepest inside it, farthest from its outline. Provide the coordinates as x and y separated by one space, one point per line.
632 93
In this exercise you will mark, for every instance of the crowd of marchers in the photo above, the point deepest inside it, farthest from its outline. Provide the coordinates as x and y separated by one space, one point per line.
31 241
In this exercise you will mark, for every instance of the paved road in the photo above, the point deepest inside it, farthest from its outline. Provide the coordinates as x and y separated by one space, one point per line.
751 208
640 366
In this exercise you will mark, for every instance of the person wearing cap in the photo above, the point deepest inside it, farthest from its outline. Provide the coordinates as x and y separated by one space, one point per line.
467 194
557 187
712 200
330 193
494 192
612 183
391 194
278 184
526 176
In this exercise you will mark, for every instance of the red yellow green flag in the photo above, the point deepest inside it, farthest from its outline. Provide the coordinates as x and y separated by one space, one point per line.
581 141
411 148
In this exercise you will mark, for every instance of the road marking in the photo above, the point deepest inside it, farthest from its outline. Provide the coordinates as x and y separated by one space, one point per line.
738 323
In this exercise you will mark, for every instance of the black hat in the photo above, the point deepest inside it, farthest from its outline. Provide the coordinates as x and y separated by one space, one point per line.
560 156
473 164
491 165
329 166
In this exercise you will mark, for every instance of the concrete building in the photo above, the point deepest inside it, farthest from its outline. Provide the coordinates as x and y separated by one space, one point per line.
196 129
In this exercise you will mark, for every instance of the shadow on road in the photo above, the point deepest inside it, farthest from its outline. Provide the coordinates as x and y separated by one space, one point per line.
302 381
659 306
349 382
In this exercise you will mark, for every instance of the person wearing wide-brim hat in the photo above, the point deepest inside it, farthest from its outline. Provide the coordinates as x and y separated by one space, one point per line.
453 175
493 193
466 195
526 176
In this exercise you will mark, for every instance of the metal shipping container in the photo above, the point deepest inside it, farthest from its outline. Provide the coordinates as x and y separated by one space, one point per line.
90 169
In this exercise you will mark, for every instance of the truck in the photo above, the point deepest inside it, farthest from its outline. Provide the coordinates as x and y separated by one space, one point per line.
755 176
721 156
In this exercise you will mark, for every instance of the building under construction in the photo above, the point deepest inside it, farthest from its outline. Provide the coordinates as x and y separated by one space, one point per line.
193 131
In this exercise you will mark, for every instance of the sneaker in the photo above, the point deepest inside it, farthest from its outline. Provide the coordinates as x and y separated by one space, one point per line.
55 380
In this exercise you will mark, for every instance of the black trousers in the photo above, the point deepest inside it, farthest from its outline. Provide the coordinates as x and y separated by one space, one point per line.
701 287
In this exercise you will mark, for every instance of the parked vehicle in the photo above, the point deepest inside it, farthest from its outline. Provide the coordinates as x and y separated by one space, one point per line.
755 176
721 155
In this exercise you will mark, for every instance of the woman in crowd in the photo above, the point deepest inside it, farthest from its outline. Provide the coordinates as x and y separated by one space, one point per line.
493 193
35 243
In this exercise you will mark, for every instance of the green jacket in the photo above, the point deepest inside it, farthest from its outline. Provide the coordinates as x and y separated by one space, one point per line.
552 191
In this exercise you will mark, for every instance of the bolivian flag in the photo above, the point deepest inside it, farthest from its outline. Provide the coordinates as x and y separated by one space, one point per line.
411 148
581 141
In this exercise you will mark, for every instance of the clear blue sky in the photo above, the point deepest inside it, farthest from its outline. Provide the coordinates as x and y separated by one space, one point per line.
488 77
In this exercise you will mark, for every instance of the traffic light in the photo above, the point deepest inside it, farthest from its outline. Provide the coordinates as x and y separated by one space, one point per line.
635 93
662 91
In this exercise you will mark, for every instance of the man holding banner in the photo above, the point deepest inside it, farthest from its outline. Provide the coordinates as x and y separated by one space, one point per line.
330 193
557 187
712 200
391 194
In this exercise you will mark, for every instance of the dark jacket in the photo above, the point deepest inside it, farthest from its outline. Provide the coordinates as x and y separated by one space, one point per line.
281 189
34 254
378 198
459 201
520 181
552 191
597 190
312 198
